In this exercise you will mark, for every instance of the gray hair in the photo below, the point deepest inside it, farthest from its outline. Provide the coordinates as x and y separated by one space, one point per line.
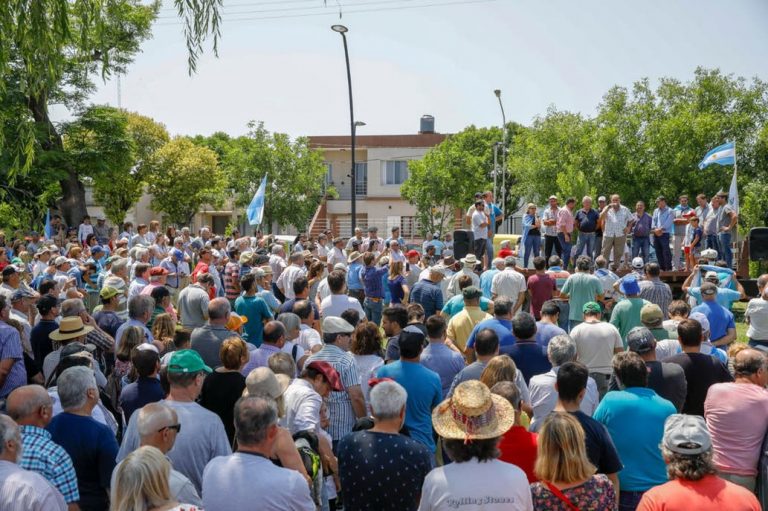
72 307
139 305
289 320
387 400
688 467
277 248
35 396
119 264
561 349
282 363
253 417
586 198
140 253
509 391
9 430
73 385
502 306
154 417
219 308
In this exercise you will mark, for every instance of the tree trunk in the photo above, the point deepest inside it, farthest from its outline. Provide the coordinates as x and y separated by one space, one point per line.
72 203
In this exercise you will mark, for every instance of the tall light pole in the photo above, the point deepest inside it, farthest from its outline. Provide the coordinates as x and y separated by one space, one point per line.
497 92
341 29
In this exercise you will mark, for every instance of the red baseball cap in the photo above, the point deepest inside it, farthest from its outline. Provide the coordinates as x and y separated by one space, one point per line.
329 372
157 271
412 253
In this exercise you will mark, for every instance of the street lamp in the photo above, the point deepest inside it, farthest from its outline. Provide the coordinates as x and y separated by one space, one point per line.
497 92
341 29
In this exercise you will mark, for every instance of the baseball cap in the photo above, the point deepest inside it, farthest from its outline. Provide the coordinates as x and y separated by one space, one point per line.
412 253
651 315
641 340
187 361
336 325
711 275
327 370
591 307
178 254
552 197
708 289
471 293
97 250
157 271
22 293
629 286
686 434
637 263
709 253
702 319
412 337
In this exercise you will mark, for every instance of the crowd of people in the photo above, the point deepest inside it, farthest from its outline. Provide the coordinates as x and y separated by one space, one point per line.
171 371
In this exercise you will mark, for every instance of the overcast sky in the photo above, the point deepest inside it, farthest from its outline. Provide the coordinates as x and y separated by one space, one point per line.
443 60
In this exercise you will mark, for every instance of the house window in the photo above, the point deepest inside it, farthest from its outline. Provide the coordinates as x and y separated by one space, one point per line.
361 178
328 173
395 172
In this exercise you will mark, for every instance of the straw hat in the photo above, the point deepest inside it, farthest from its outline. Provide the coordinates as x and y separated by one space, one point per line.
473 413
70 328
236 321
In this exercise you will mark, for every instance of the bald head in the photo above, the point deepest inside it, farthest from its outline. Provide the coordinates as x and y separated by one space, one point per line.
751 364
153 418
219 310
30 405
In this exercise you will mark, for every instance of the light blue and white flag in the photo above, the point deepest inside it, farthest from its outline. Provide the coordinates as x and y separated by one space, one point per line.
48 229
255 209
733 194
720 155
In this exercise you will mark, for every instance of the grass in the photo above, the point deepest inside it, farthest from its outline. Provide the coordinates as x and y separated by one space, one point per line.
741 326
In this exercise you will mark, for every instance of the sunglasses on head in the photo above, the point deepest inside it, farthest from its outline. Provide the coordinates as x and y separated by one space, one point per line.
176 427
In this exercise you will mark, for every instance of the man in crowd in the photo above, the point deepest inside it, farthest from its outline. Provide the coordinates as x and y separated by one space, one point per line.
586 222
662 227
694 484
347 406
427 292
12 371
467 270
701 371
541 286
547 327
254 308
549 224
32 409
617 222
565 229
393 321
641 232
529 356
634 416
510 283
721 321
22 490
486 347
277 265
460 326
501 323
486 278
725 295
203 436
727 218
140 309
737 418
291 273
400 461
274 341
681 213
581 288
146 388
422 385
339 301
438 357
39 338
626 313
193 302
707 220
596 342
231 481
654 290
207 339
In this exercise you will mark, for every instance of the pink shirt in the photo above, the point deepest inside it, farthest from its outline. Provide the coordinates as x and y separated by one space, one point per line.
564 220
737 417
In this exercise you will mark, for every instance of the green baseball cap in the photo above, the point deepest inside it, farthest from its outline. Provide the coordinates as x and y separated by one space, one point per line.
591 307
187 361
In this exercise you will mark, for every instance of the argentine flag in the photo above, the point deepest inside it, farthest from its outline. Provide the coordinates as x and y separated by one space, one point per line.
720 155
255 209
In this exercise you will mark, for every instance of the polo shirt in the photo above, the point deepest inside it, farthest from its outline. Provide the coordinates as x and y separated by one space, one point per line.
509 283
530 358
425 392
207 341
502 327
546 331
720 318
428 295
710 493
444 361
587 220
626 315
259 358
193 306
581 287
257 311
460 326
595 344
701 372
455 304
541 287
139 393
635 419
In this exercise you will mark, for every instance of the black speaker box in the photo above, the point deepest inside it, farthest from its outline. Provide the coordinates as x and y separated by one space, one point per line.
463 243
758 244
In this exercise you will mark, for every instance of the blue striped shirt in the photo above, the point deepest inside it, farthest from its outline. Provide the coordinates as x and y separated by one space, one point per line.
50 460
10 348
340 411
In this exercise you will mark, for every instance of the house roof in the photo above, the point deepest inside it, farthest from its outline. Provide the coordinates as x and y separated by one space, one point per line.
341 142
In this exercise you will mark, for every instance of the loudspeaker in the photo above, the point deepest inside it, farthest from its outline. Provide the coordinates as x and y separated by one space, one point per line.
463 243
758 244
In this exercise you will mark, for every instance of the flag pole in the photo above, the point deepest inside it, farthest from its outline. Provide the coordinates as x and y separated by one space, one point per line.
735 174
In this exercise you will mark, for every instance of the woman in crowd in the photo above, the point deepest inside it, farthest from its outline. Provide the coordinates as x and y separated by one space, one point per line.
398 289
224 386
531 233
132 337
314 276
568 479
366 350
164 330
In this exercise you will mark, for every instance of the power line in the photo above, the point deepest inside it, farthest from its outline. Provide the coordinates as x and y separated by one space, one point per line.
249 4
355 11
300 8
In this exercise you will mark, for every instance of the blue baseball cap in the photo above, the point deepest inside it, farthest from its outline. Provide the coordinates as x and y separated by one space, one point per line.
629 286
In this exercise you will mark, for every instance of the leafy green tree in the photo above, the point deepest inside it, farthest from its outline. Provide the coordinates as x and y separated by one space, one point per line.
295 173
186 176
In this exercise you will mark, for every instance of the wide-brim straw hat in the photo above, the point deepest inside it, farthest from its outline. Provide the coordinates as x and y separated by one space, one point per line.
70 328
473 413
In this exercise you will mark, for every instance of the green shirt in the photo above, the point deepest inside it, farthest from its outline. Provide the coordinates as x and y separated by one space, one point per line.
581 288
626 316
660 333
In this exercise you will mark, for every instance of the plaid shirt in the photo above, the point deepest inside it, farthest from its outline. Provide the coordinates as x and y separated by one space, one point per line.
50 460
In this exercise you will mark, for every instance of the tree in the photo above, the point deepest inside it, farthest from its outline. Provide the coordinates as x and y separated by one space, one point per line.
295 173
186 176
50 50
450 173
120 189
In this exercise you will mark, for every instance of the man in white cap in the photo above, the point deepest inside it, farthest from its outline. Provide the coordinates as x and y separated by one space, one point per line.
725 295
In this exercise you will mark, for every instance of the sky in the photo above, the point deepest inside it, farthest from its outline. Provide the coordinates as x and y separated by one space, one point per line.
437 57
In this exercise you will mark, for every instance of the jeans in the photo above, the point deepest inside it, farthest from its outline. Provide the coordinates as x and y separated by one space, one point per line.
532 248
550 243
628 500
565 247
598 246
641 245
601 381
565 309
373 310
663 254
711 242
489 251
586 240
724 239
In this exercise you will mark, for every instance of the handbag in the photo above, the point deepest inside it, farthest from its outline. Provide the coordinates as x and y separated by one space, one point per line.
560 495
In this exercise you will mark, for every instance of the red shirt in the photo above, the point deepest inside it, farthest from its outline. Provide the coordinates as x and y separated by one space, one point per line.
710 493
519 446
541 288
505 252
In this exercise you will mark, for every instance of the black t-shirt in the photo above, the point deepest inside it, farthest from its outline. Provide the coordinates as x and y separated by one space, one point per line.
219 394
381 471
530 358
701 372
40 340
600 449
667 380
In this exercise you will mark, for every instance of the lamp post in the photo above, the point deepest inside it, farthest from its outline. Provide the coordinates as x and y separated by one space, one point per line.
341 29
497 92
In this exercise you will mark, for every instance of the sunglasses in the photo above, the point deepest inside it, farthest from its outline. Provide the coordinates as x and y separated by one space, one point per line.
176 427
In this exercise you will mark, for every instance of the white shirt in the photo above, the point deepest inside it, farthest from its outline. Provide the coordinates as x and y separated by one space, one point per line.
302 407
323 290
544 397
478 217
277 264
249 482
616 221
334 305
757 312
289 275
322 251
476 486
453 285
308 337
24 490
336 255
509 283
367 365
595 344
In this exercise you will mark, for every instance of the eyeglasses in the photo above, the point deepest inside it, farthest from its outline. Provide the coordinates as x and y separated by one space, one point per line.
176 427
